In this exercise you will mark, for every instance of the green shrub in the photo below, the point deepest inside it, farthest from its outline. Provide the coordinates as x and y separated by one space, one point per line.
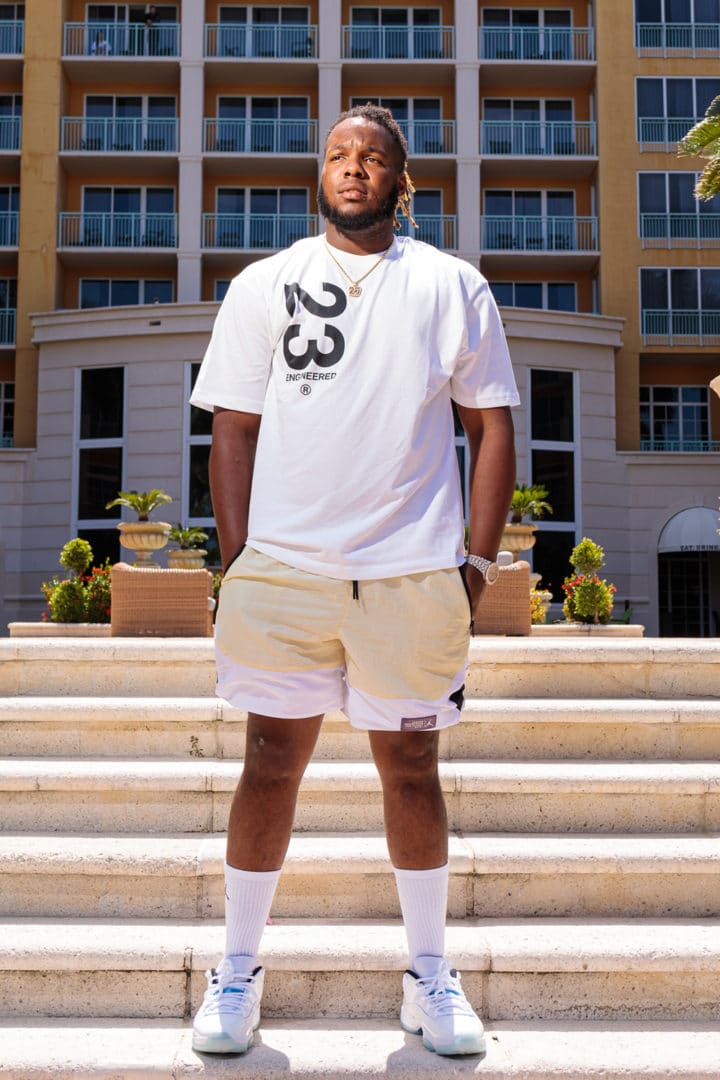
85 597
588 598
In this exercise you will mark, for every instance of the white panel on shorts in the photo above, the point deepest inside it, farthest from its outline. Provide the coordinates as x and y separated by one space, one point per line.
287 694
372 713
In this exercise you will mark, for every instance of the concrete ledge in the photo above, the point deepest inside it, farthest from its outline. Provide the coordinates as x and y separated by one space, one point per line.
610 630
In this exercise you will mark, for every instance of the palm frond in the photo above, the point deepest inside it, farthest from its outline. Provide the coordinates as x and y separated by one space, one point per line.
708 182
704 137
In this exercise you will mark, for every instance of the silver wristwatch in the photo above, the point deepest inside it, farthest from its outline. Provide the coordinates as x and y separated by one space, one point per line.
489 570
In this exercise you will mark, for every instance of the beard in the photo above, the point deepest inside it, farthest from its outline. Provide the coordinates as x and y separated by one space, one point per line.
362 220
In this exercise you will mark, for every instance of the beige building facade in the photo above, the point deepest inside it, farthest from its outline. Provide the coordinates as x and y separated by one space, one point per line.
144 164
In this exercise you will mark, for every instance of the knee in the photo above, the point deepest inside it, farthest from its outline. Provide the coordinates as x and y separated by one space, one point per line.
272 760
408 761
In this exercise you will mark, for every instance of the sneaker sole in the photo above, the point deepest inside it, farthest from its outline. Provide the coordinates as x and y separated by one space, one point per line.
456 1049
222 1044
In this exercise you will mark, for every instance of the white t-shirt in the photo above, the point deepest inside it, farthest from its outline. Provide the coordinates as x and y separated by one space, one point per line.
356 474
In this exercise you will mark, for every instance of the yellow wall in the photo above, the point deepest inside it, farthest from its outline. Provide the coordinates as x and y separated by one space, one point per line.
621 250
39 207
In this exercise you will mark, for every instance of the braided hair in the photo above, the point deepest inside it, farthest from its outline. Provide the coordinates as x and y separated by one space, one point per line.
377 114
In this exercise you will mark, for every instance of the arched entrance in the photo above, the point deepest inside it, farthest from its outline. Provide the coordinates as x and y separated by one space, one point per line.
689 574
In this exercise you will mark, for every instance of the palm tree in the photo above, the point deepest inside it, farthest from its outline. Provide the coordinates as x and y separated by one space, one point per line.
703 140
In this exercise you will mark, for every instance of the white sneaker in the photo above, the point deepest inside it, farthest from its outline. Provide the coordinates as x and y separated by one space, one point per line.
436 1007
230 1013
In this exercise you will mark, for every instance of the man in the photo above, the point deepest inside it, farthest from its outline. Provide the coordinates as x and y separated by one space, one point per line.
341 532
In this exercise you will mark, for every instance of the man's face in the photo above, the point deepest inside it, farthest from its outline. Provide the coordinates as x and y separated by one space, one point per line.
362 175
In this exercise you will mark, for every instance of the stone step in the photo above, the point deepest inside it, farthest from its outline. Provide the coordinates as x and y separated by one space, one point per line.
127 796
499 667
536 969
107 1049
497 728
342 875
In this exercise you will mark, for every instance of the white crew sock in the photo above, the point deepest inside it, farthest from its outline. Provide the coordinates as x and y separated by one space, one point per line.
248 898
423 900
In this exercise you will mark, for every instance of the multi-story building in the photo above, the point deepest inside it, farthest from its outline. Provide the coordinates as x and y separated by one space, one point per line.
144 165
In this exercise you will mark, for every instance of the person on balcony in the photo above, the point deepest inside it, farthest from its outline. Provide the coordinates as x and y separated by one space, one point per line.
331 373
100 46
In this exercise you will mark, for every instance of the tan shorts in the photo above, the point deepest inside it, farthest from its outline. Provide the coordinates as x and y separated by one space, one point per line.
391 653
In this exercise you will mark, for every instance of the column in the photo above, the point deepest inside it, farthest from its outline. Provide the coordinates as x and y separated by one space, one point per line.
190 170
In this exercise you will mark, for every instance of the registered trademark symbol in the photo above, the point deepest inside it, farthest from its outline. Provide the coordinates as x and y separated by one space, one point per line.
305 389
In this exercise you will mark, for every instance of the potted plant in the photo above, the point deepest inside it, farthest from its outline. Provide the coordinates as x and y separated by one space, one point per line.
528 501
188 555
142 536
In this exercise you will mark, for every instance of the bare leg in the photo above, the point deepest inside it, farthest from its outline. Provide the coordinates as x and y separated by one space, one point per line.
261 817
415 813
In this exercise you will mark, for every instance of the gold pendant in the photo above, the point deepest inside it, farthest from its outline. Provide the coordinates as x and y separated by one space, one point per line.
354 290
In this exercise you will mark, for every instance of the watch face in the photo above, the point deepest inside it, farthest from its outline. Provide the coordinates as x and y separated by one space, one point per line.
492 573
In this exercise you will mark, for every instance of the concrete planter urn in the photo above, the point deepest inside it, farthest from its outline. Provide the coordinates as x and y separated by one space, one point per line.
518 538
144 538
186 558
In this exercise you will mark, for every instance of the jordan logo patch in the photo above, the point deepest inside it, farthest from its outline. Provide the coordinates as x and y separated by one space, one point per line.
418 723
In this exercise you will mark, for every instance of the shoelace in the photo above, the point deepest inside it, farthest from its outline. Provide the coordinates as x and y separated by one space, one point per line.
444 990
228 992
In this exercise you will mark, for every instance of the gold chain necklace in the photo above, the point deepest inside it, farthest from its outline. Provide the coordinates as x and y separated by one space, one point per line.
355 289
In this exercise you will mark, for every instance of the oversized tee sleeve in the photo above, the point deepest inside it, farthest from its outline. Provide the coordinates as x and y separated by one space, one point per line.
235 370
483 376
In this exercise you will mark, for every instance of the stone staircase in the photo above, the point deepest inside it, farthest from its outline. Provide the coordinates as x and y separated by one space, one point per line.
583 792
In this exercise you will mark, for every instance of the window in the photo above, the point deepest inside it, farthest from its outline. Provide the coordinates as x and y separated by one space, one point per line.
9 207
275 217
549 295
106 292
120 30
129 122
128 217
197 432
527 126
682 26
221 288
682 302
668 107
554 464
12 12
674 418
7 412
260 30
670 213
99 457
263 125
10 114
530 220
394 33
527 34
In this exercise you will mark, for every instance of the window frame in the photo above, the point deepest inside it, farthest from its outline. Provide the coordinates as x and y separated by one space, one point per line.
106 443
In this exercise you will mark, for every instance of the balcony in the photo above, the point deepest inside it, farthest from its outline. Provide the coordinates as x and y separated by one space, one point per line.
265 41
222 136
680 230
10 133
681 446
678 39
539 234
9 228
12 37
440 230
108 41
112 135
7 326
661 133
256 231
132 230
530 138
398 42
555 44
685 327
